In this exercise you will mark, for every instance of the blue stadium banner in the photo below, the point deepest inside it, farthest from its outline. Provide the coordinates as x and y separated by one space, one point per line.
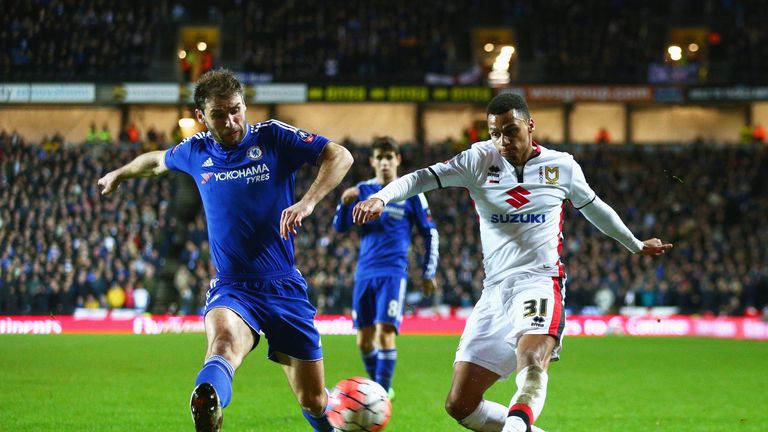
669 94
15 93
662 73
48 93
279 93
151 93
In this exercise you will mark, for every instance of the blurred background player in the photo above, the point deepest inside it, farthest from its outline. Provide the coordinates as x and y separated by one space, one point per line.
245 174
381 276
519 189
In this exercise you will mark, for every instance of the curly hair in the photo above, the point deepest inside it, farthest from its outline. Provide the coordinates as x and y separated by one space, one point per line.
507 102
219 83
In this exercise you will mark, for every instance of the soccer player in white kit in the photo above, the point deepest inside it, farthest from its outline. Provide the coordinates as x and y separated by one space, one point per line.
519 189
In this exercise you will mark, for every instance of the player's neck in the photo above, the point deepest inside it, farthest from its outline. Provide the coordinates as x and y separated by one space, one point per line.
522 158
226 146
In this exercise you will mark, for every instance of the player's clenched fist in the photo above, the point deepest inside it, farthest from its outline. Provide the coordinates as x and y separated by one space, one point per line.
368 210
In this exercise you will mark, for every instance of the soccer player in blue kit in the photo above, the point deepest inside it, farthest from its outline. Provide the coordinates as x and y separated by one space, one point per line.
246 176
380 278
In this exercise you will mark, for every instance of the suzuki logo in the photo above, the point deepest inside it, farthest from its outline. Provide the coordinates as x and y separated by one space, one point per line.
518 197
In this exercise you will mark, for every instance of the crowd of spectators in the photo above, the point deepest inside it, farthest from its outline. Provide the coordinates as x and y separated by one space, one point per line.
591 41
63 246
559 41
382 38
77 40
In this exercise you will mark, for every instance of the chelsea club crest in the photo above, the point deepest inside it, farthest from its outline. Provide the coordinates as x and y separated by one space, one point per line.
255 153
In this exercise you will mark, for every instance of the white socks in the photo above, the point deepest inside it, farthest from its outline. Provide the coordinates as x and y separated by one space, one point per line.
487 417
528 401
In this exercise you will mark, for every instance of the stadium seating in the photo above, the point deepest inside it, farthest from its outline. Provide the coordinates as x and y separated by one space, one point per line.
557 41
64 247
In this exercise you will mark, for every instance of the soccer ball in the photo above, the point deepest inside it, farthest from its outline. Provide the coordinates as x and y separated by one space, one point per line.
359 404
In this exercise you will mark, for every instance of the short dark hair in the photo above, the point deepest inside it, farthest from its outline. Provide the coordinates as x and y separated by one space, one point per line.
507 102
220 83
385 144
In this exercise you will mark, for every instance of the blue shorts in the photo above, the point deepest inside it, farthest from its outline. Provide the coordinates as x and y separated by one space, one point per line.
378 300
278 307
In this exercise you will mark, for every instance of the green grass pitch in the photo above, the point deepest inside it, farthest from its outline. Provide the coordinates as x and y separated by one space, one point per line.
142 383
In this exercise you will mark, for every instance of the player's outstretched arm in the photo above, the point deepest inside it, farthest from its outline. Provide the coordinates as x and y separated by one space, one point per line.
342 220
149 164
334 163
368 210
401 189
350 195
655 247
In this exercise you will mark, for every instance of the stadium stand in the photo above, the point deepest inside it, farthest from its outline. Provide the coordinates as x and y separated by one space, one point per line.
558 41
64 247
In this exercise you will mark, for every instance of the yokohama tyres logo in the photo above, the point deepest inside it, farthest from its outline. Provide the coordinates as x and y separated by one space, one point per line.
518 197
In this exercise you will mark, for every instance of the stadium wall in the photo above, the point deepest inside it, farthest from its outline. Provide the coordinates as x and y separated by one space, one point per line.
588 118
445 122
760 114
685 124
36 122
358 122
550 123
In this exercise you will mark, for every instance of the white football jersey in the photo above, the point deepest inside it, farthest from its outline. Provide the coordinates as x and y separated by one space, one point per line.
521 216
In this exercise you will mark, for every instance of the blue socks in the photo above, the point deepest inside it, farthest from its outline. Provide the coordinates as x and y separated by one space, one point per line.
319 424
385 367
218 372
370 360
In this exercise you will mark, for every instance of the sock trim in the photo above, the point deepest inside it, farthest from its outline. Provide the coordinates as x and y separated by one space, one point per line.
523 411
221 360
390 354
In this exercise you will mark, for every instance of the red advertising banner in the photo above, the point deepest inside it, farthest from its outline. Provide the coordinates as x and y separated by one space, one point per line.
578 325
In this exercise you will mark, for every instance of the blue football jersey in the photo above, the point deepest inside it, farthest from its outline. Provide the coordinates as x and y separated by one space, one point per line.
385 241
244 191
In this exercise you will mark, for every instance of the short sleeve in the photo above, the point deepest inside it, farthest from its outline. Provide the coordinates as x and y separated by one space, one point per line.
178 158
580 193
298 146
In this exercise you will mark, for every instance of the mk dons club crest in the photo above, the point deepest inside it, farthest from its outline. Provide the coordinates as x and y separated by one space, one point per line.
552 175
255 153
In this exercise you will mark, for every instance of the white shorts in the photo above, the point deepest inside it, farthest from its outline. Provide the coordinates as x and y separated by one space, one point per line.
519 305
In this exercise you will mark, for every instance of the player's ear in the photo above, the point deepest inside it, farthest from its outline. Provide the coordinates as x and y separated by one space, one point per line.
531 125
200 116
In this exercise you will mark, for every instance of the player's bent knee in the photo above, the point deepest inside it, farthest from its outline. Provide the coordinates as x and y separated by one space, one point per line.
227 347
365 346
458 409
532 358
